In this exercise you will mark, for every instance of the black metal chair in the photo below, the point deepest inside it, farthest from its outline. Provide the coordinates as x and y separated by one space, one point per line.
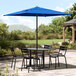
61 53
26 56
14 57
48 47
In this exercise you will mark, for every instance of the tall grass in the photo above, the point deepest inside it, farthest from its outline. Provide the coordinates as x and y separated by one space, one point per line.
6 72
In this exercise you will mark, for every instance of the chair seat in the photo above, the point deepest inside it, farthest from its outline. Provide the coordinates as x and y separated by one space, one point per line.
37 58
54 55
39 54
60 54
29 57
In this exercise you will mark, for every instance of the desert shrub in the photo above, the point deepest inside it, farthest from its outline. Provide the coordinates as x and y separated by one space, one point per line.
73 46
14 36
18 51
60 36
65 43
16 44
41 36
55 45
32 46
3 52
19 45
7 72
52 36
4 44
32 37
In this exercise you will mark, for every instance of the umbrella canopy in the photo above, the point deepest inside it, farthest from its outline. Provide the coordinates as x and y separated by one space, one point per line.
37 11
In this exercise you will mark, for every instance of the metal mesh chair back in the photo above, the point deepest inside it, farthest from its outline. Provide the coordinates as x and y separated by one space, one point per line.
63 50
48 46
25 52
13 52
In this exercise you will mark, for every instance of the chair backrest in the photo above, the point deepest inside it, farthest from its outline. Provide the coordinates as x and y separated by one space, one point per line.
25 52
48 46
63 50
13 52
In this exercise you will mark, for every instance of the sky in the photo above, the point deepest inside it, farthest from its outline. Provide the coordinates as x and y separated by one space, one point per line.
10 6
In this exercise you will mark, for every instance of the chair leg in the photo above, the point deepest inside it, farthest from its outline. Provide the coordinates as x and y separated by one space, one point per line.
39 65
55 62
65 61
22 64
26 63
28 69
50 61
41 61
14 63
34 64
58 62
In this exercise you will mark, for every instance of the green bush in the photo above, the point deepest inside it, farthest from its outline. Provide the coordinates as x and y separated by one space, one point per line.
4 44
18 51
5 47
19 45
52 36
3 52
16 44
55 45
65 43
73 46
60 36
32 46
6 72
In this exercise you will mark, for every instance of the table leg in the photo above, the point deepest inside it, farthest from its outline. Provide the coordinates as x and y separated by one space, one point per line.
30 59
43 59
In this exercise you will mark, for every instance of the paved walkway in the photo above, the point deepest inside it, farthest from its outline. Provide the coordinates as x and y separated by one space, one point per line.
60 71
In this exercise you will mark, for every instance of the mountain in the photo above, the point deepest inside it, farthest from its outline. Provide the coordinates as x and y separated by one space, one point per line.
19 27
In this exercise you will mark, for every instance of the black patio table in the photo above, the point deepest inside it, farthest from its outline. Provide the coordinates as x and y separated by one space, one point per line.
39 49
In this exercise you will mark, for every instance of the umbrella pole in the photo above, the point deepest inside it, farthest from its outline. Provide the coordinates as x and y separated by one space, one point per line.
36 34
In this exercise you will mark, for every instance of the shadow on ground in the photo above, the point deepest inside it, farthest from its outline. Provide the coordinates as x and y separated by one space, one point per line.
62 66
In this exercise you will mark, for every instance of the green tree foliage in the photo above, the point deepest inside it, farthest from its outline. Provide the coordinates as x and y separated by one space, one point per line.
72 11
29 35
43 29
3 31
56 25
14 35
17 32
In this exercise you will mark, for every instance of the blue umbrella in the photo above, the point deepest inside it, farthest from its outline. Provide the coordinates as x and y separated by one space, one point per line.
37 11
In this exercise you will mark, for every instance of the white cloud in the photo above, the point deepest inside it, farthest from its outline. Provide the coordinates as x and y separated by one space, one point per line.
5 19
18 20
28 21
70 5
45 20
59 9
62 9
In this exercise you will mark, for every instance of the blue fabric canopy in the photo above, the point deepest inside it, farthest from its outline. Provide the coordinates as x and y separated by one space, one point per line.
37 11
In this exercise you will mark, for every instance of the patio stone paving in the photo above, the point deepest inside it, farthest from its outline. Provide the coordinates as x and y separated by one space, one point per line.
60 71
